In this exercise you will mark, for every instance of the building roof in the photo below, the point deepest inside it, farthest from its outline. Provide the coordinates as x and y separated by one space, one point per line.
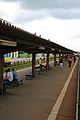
26 41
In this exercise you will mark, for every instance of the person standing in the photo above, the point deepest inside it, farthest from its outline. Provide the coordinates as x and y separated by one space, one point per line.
40 63
5 82
74 59
61 62
70 61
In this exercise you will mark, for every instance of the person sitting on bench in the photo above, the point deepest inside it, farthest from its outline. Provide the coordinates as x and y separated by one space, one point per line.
15 76
9 76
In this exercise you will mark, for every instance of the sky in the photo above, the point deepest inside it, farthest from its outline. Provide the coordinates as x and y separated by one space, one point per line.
57 20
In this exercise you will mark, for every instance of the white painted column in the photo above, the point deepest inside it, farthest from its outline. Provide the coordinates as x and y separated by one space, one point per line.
14 54
11 54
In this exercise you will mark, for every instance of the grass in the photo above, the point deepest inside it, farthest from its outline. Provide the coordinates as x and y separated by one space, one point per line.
23 65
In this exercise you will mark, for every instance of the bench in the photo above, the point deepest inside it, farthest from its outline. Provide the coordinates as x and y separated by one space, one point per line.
28 76
38 68
21 81
49 67
15 83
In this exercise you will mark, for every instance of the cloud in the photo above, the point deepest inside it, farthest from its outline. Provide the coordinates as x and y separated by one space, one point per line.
76 36
49 4
38 9
8 0
65 13
59 31
8 10
22 16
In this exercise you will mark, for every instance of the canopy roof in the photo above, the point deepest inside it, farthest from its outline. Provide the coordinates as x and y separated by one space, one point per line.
20 40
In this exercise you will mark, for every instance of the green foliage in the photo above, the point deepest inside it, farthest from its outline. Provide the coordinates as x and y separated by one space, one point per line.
21 52
24 55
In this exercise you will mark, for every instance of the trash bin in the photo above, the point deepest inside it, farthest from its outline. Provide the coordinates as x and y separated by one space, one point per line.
4 86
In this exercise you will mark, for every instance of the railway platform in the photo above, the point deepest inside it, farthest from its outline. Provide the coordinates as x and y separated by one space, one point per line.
36 98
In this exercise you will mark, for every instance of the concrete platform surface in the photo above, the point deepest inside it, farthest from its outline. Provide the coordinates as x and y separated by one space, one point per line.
34 99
